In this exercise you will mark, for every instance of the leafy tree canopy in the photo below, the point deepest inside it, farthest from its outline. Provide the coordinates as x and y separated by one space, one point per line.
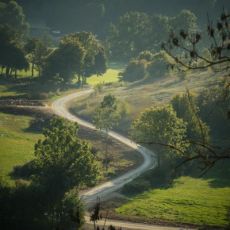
78 53
12 15
160 125
63 159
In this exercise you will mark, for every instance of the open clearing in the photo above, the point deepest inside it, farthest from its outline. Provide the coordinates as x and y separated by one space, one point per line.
110 76
137 96
194 201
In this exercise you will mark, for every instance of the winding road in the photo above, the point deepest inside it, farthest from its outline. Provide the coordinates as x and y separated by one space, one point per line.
59 107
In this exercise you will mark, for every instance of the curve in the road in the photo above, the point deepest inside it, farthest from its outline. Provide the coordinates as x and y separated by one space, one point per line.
60 108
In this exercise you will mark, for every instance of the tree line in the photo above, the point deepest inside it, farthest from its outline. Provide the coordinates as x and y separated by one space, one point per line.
80 54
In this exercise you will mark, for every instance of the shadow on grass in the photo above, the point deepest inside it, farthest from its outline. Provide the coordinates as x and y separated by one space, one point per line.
24 171
145 81
33 88
40 118
152 179
219 175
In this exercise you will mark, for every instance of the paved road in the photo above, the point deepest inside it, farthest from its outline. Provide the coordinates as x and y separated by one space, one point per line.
104 190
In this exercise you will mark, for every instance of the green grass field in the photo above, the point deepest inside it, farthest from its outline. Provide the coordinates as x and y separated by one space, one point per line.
16 143
190 200
138 96
110 76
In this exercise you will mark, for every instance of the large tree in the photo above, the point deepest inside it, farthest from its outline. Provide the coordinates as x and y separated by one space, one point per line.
187 109
36 51
78 54
64 61
64 162
94 59
13 29
184 49
160 126
130 35
12 15
138 31
12 57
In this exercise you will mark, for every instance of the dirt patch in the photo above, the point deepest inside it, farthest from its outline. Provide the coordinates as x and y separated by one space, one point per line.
123 158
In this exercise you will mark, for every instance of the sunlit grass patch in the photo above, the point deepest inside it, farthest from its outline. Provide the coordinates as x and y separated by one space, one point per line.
111 75
16 143
190 200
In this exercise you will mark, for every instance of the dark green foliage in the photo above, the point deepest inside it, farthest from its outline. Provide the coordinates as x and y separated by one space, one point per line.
155 178
105 118
73 15
64 61
163 130
12 57
130 35
186 109
69 213
135 187
100 62
36 51
214 104
13 28
147 64
64 160
26 207
157 68
61 166
135 70
137 31
79 53
22 207
94 60
107 115
12 15
109 101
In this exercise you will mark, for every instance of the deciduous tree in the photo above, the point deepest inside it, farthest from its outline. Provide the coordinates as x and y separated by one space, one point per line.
106 117
160 126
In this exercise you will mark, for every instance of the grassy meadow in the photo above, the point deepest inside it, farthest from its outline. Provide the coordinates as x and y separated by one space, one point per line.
137 96
110 76
189 200
16 142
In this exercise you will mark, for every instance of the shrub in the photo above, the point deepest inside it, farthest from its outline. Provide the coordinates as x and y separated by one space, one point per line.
135 70
136 186
156 68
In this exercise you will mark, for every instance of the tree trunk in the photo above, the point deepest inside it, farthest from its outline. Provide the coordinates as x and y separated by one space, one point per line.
79 80
2 69
15 74
10 72
32 69
106 151
7 71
